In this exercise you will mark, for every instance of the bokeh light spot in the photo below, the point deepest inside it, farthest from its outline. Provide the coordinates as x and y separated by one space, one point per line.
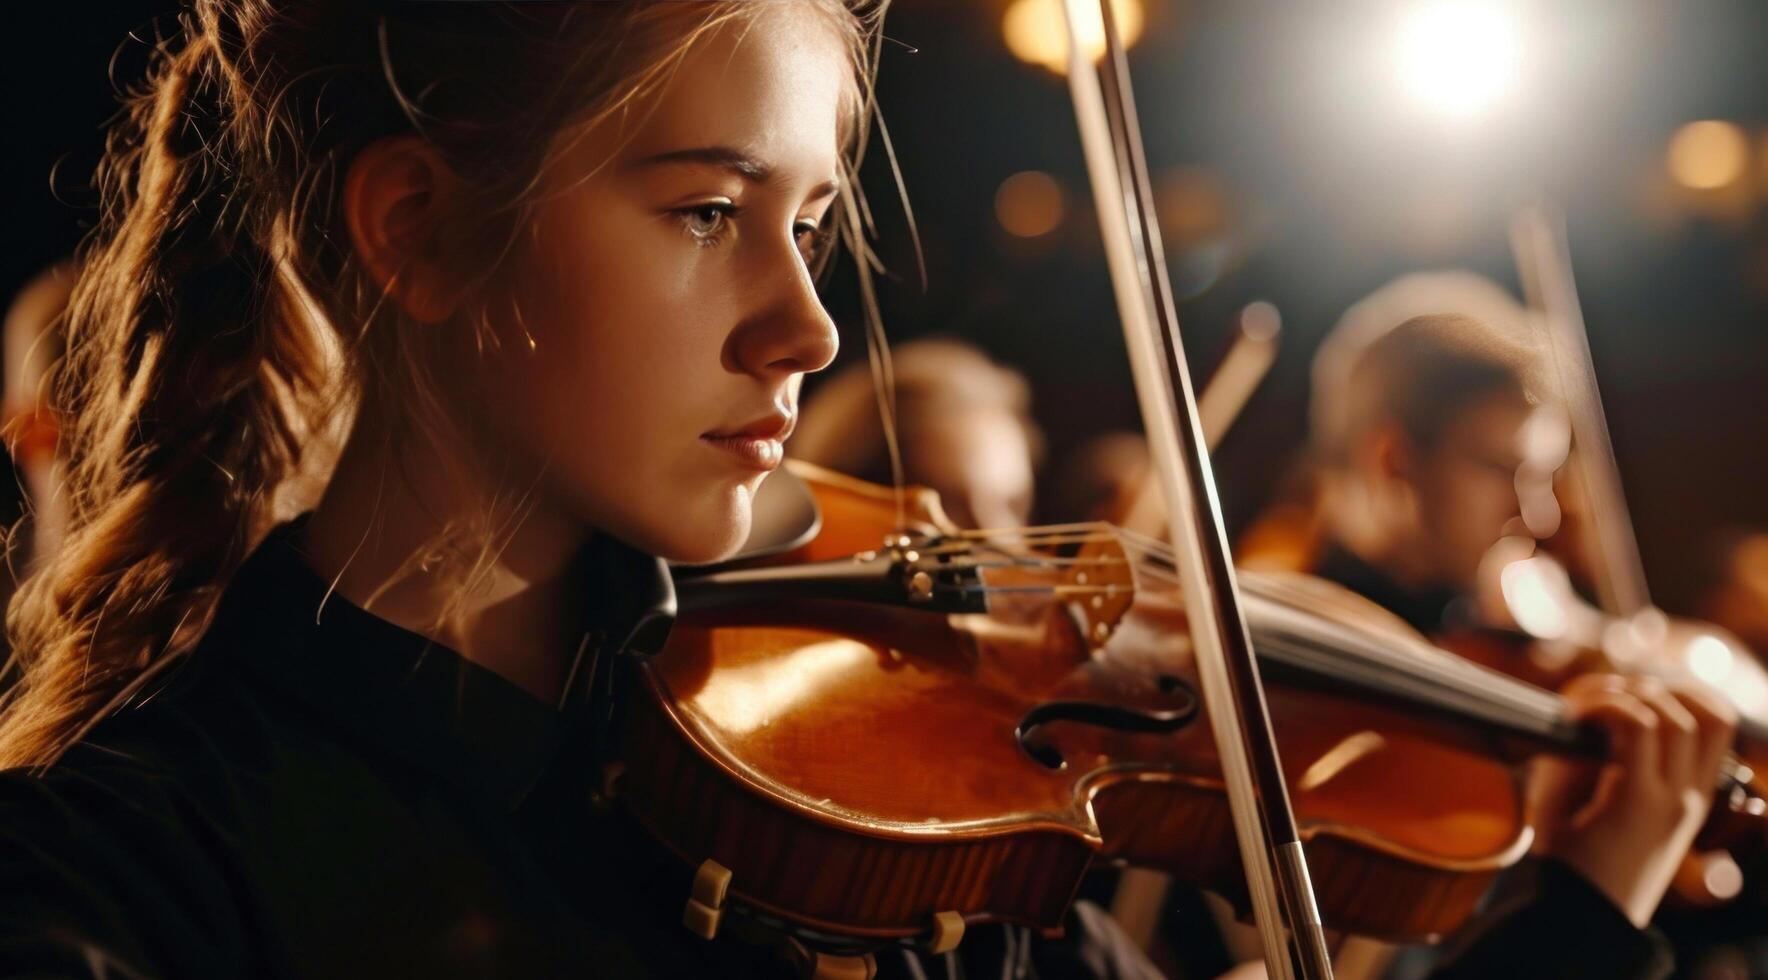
1036 32
1029 204
1194 206
1707 155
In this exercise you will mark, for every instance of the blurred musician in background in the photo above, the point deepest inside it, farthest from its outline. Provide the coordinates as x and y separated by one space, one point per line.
1434 452
1420 453
963 422
33 512
1426 446
33 346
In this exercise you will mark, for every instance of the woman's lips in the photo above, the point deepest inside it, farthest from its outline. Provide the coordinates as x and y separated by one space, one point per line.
759 445
757 453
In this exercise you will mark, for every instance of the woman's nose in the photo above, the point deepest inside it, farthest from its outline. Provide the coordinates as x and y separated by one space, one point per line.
790 332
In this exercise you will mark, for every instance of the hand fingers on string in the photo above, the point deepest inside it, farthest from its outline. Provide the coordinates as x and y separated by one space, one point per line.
1632 729
1718 725
1678 732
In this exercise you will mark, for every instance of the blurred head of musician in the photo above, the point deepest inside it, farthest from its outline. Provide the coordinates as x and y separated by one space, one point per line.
1431 445
34 342
1100 480
1420 454
963 423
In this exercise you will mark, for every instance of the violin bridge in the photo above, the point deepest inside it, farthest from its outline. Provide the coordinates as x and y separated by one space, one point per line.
705 905
1100 585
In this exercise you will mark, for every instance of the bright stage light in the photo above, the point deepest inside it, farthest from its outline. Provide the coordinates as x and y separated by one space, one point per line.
1036 32
1458 57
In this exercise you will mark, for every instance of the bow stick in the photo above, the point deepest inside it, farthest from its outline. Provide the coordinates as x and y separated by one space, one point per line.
1270 846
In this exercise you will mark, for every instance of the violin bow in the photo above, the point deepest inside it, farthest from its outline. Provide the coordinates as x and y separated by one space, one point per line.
1543 260
1264 823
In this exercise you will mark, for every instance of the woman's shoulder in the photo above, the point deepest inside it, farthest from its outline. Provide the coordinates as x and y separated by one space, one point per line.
144 846
208 741
117 859
180 762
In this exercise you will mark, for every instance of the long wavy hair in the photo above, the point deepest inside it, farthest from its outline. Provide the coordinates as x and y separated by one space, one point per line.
222 325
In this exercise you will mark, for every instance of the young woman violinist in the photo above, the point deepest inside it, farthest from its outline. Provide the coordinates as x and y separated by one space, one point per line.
553 264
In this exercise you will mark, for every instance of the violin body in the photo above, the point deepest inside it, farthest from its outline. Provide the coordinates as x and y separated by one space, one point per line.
1403 833
851 790
861 770
854 774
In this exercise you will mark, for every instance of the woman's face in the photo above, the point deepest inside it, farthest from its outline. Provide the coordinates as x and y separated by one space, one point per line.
666 292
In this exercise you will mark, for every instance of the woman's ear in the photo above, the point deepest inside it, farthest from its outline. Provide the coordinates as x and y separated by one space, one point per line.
397 194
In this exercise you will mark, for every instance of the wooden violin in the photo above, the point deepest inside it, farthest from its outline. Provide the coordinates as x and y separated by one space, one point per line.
851 747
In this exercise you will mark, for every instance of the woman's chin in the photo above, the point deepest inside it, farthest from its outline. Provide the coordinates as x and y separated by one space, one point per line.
697 534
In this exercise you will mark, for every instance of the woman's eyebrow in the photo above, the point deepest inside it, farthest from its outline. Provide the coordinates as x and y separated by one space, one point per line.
727 158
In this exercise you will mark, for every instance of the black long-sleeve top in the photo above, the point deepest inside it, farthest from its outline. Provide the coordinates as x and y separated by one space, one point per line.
315 792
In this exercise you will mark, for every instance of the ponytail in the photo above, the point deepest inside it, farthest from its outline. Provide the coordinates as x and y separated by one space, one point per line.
183 367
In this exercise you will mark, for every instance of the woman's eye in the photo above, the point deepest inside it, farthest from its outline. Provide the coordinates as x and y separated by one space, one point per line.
706 222
809 236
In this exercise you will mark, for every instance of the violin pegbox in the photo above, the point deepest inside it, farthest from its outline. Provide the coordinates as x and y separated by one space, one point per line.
931 572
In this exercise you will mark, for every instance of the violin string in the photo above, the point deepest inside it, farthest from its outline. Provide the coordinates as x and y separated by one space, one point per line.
1145 554
1049 590
1449 669
1147 551
1515 698
1032 561
1150 559
1097 529
1149 556
1493 694
1028 554
1007 541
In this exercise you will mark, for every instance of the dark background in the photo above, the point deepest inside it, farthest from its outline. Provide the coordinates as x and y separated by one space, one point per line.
1328 187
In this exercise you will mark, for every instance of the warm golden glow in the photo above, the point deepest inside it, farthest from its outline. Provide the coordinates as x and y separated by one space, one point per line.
745 699
1709 154
1029 204
1750 562
1036 31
